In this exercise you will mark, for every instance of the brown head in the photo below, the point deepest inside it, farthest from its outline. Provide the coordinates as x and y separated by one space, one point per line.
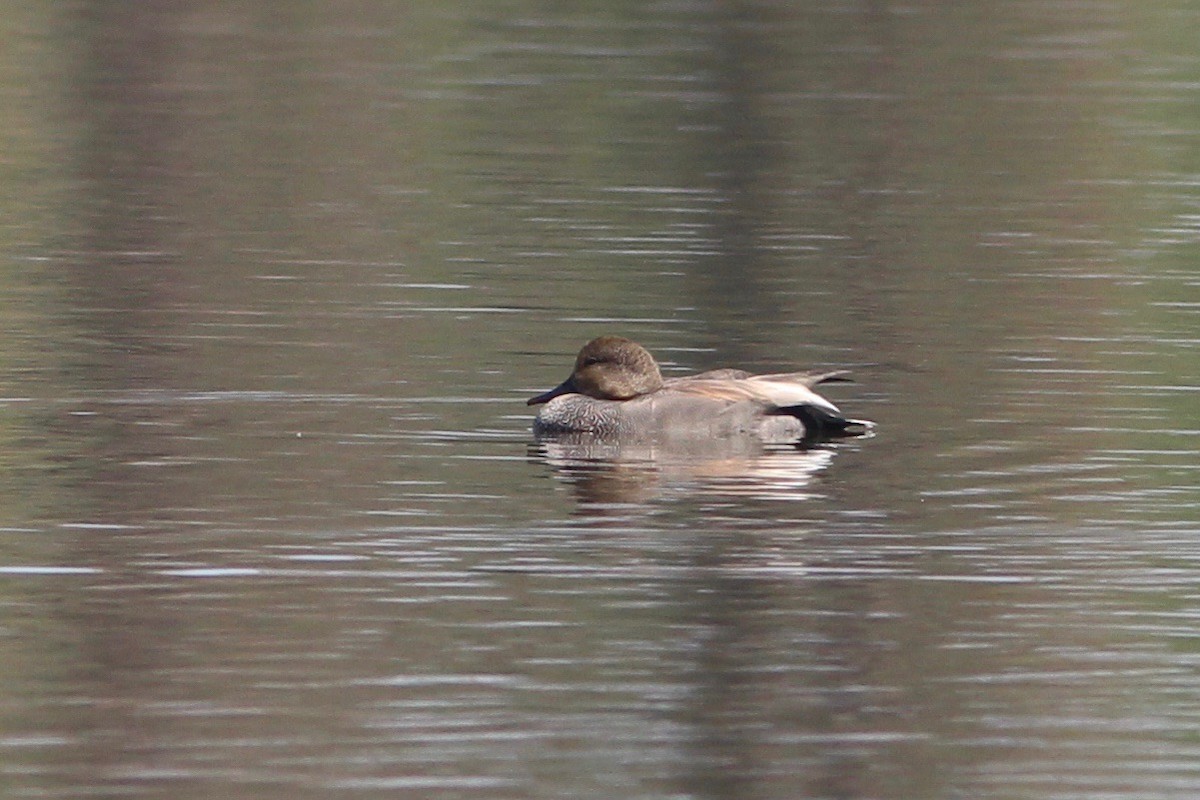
609 368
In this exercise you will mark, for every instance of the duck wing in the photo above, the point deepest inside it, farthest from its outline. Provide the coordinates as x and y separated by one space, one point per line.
809 379
773 392
785 394
716 375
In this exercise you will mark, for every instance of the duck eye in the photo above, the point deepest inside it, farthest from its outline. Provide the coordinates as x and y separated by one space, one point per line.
590 360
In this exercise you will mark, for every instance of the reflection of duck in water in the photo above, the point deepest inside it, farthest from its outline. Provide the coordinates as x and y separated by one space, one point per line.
617 391
607 472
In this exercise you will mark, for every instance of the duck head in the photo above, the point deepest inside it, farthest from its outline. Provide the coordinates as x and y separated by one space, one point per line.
609 368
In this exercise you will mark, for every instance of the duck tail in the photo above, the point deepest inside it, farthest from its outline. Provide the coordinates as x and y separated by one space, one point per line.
821 423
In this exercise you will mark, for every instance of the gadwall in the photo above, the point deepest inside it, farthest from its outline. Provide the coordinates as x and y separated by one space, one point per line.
617 390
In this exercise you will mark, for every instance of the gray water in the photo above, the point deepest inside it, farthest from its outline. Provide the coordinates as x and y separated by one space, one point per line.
277 281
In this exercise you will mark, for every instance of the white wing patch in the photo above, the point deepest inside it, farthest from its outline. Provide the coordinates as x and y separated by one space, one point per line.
789 393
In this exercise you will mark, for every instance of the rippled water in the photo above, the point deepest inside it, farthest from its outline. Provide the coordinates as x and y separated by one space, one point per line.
278 283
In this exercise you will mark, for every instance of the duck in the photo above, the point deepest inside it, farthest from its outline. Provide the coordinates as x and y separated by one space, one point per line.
616 390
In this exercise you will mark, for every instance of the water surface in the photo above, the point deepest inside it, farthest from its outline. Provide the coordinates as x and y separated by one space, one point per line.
276 286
